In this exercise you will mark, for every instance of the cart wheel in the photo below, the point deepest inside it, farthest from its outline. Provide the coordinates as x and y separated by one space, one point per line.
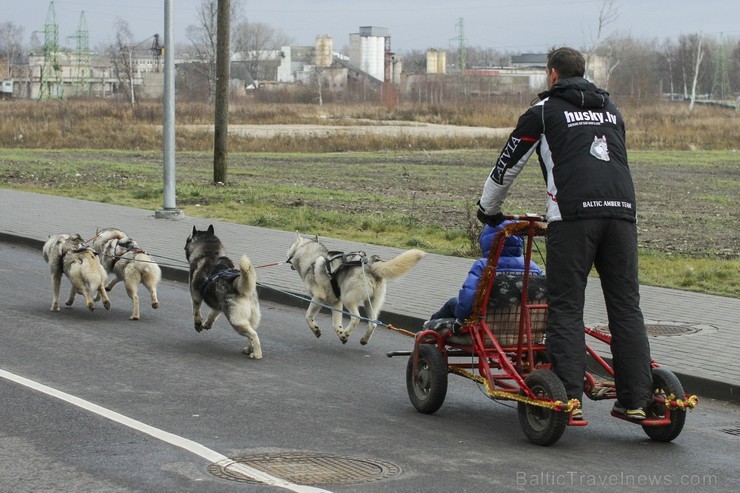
428 390
541 425
665 383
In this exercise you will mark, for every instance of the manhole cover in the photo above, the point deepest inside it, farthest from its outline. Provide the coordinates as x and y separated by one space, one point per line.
310 469
666 329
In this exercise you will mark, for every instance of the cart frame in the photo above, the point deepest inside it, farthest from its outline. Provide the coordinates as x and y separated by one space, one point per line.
505 351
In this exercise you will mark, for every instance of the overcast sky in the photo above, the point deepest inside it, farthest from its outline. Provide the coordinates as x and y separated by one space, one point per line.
507 25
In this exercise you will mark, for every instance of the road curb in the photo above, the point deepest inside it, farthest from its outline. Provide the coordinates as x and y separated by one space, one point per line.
708 388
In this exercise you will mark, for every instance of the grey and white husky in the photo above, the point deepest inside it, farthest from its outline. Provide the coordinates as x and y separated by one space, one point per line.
53 256
67 254
346 280
104 243
122 257
225 289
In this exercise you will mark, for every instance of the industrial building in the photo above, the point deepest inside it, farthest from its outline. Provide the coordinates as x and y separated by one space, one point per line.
370 70
369 54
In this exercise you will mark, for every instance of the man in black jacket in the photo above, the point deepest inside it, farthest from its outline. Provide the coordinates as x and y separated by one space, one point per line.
579 137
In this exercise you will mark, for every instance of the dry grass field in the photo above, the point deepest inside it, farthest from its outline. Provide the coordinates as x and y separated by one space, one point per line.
96 124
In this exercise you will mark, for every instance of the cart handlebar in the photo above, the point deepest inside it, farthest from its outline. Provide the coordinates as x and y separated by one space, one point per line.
525 217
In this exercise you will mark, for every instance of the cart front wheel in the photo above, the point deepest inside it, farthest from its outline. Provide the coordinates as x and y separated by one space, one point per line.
665 383
428 389
541 425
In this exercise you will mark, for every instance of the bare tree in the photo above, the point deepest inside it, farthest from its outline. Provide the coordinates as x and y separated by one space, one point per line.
668 59
608 13
631 67
687 54
699 57
11 46
319 76
122 58
203 39
254 41
414 61
734 67
486 57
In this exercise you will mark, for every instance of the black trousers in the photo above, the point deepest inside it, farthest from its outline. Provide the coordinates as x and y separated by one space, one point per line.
447 310
610 245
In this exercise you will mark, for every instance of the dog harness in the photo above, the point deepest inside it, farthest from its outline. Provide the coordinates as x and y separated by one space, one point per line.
228 275
116 258
82 247
337 261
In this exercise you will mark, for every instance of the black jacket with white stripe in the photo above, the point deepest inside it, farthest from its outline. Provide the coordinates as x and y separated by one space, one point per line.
579 137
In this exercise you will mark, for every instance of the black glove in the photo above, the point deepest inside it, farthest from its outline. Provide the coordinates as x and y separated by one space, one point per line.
492 221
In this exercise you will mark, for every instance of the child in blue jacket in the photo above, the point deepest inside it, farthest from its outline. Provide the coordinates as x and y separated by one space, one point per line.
511 261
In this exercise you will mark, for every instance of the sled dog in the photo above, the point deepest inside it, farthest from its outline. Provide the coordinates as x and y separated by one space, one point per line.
346 280
67 254
122 257
104 243
215 281
53 256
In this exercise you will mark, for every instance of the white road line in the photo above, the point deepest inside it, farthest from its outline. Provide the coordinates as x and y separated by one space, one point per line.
184 443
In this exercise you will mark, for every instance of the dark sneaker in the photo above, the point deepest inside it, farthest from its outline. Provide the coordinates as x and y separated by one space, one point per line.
638 414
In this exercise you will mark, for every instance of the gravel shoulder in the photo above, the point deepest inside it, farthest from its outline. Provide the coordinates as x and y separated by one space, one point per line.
414 129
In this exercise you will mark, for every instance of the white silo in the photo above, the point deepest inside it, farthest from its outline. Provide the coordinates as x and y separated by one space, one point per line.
370 58
367 50
379 59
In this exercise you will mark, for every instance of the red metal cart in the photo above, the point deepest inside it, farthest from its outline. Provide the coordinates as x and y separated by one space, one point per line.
502 347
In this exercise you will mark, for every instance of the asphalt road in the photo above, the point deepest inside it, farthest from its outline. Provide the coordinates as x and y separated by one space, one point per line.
192 397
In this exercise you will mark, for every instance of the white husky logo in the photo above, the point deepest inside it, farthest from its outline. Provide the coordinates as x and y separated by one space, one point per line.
599 150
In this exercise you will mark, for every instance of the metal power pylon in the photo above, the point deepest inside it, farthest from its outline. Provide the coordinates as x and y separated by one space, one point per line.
721 84
81 76
157 51
461 44
51 70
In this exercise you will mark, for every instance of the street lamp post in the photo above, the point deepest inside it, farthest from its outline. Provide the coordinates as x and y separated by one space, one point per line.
169 209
